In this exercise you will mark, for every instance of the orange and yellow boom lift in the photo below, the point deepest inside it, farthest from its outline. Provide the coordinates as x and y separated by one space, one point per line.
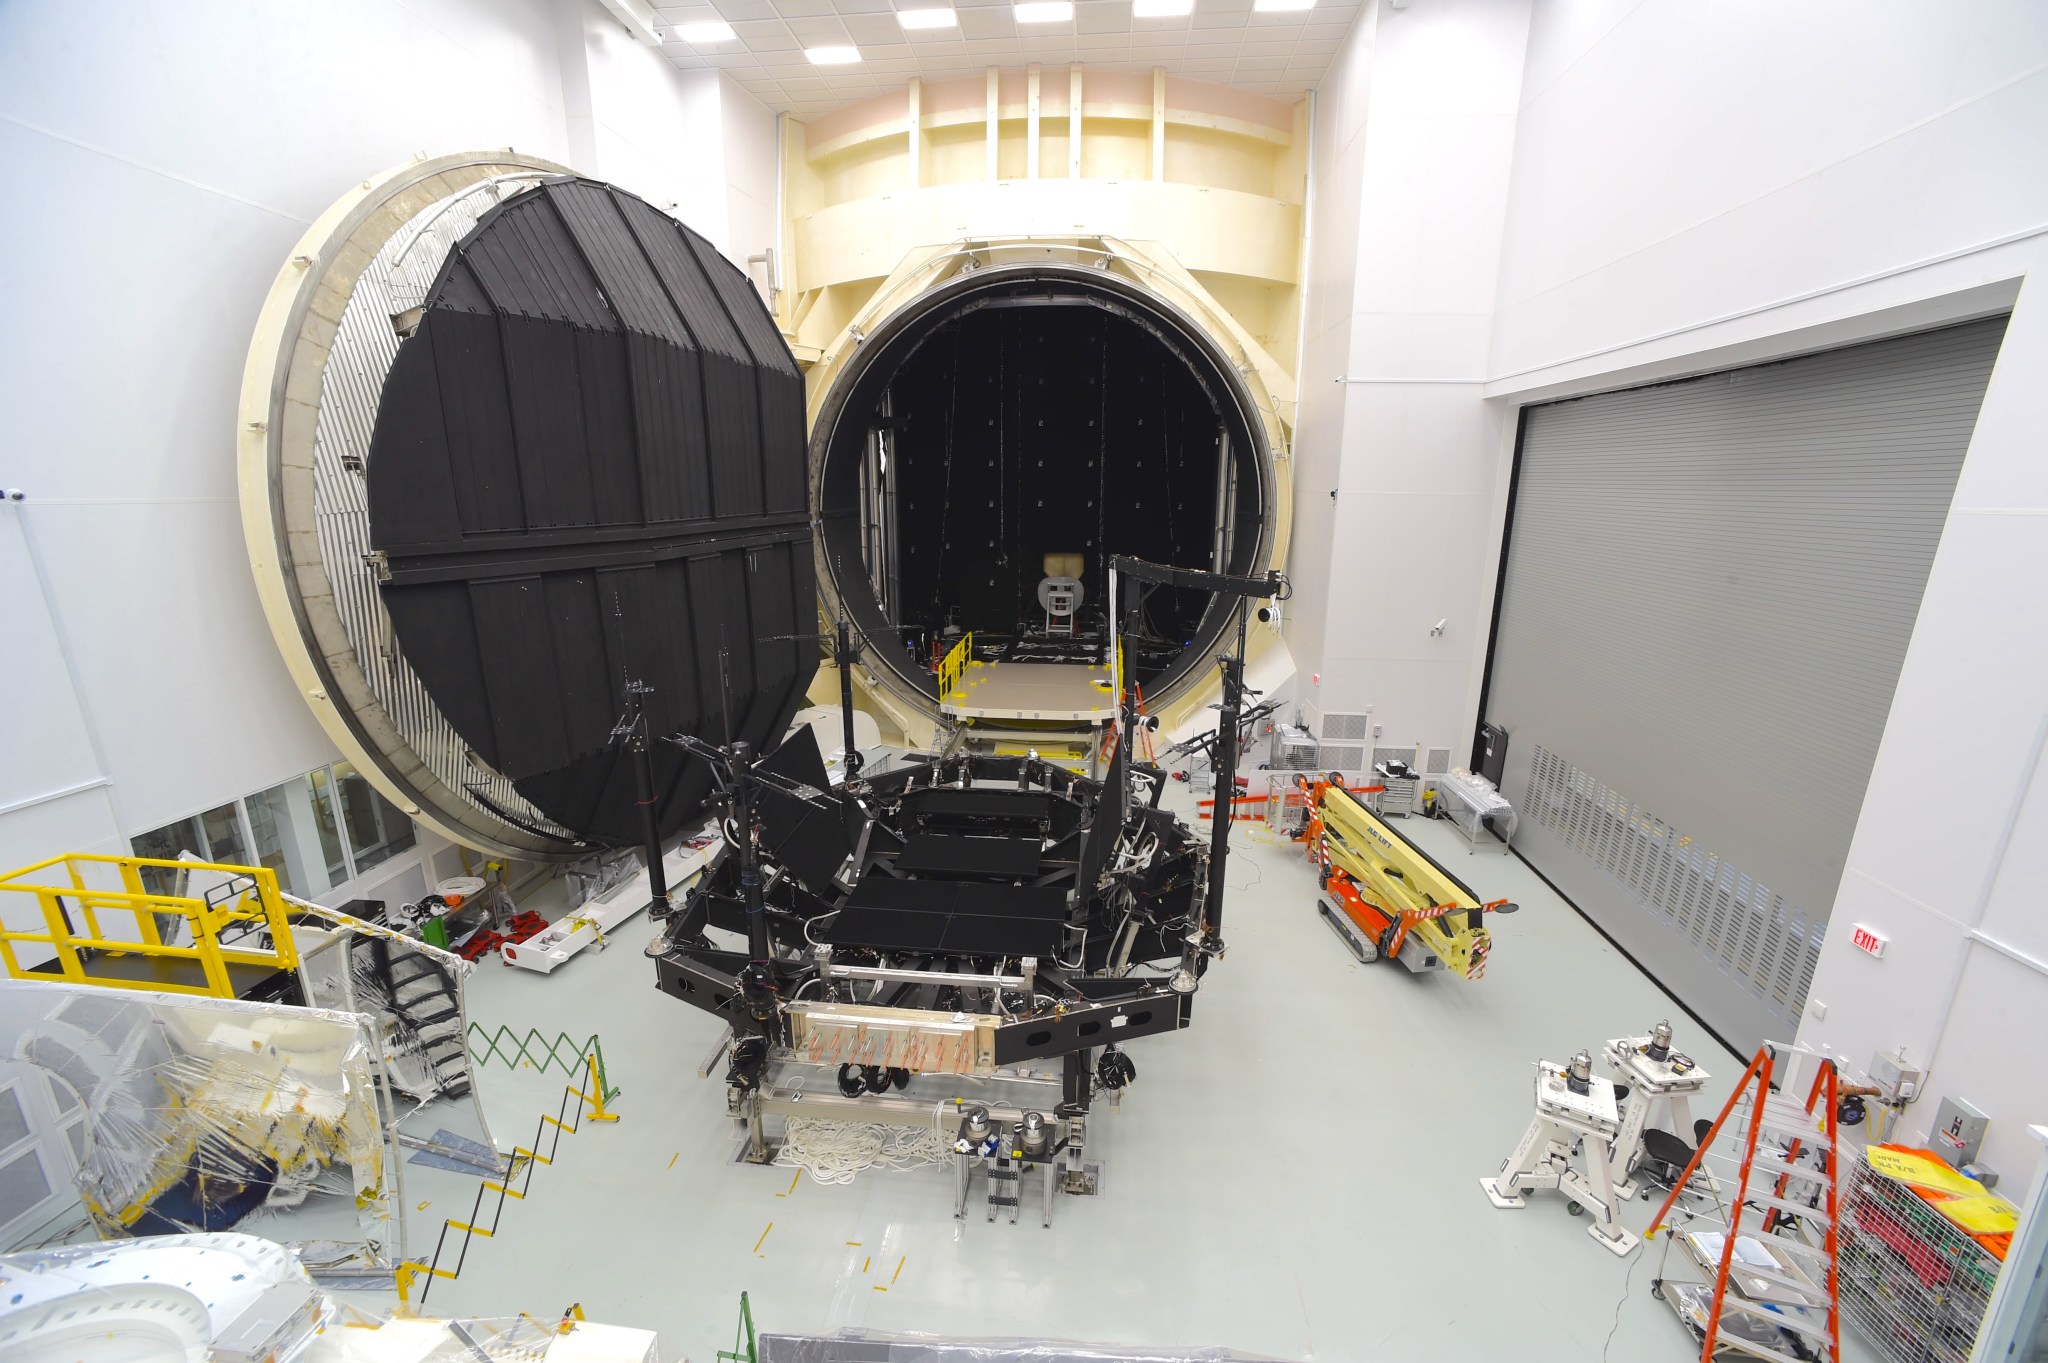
1392 899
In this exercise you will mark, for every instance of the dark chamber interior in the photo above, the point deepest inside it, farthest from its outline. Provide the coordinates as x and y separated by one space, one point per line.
1025 421
1078 430
587 472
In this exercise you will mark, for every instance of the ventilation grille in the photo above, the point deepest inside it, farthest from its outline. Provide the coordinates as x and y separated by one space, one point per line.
1340 756
1741 925
1380 755
1436 762
1345 728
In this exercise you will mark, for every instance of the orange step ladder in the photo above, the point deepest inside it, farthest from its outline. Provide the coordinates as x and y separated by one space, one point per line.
1764 1135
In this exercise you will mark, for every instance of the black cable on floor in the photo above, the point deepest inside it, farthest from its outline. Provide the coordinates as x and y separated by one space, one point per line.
1626 1283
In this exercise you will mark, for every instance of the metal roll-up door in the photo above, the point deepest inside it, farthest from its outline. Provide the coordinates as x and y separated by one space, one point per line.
1708 592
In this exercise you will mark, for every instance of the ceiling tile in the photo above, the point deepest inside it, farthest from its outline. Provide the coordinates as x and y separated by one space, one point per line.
737 11
872 28
987 23
765 35
803 9
862 6
1102 16
815 32
1281 56
1178 23
687 14
1211 20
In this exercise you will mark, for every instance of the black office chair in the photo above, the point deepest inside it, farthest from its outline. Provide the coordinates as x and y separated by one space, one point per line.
1665 1156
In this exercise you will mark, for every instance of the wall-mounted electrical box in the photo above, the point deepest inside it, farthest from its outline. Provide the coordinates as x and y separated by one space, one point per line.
1896 1077
1958 1131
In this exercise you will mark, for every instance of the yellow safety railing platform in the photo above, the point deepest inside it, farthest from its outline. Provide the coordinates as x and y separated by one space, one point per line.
104 926
954 666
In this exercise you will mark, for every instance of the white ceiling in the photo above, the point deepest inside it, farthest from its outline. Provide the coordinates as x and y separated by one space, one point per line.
1223 41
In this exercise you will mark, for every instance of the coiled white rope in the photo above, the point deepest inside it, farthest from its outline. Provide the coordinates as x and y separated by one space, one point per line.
834 1152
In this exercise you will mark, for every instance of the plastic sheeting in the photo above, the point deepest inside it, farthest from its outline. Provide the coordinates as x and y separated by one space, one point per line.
203 1111
238 1299
868 1346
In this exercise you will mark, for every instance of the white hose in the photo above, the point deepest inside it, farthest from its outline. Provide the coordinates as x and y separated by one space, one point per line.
835 1152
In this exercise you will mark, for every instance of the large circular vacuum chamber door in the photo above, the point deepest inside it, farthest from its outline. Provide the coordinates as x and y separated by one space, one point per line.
1020 424
522 457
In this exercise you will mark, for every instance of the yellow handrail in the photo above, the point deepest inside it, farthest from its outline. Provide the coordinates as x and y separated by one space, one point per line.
253 896
953 666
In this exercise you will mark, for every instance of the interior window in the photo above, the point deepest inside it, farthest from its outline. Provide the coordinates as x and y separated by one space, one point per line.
377 829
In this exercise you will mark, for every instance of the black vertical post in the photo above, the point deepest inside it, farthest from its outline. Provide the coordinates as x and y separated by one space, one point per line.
843 655
757 981
1074 1086
1226 771
650 817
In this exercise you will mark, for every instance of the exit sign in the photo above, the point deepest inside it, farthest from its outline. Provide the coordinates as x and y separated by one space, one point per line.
1869 941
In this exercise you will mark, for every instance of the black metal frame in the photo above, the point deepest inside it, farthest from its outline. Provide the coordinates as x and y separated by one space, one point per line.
1126 968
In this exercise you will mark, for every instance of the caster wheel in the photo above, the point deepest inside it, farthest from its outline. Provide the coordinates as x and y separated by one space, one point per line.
1657 1289
1575 1209
1644 1194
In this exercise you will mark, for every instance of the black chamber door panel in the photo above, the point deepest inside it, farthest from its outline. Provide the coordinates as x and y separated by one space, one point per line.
588 470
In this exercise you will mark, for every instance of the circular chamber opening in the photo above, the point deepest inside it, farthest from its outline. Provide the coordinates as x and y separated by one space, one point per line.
1024 423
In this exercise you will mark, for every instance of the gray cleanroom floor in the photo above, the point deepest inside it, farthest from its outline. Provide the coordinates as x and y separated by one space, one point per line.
1293 1176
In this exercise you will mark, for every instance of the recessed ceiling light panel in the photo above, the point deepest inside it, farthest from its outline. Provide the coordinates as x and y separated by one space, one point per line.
927 18
832 56
1161 9
1282 6
710 31
1045 11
